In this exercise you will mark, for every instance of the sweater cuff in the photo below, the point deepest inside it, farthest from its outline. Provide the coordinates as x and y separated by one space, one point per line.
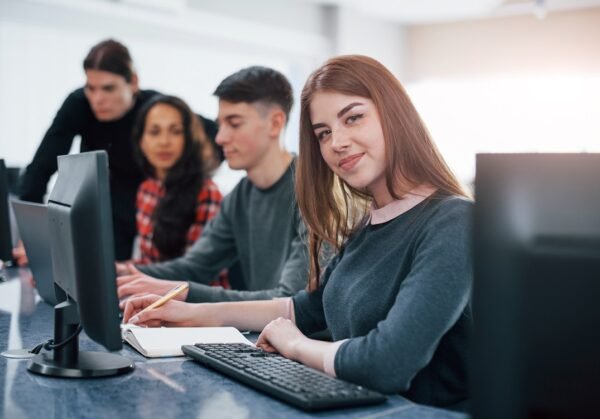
200 293
287 309
329 358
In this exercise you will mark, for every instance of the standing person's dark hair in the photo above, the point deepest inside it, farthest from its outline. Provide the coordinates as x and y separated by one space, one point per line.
175 211
111 56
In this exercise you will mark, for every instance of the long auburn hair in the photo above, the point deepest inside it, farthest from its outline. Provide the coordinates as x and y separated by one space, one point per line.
331 208
176 211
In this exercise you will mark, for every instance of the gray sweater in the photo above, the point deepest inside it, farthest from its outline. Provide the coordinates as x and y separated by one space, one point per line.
399 292
260 228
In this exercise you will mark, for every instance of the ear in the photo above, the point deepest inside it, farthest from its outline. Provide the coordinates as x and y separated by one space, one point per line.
134 83
277 121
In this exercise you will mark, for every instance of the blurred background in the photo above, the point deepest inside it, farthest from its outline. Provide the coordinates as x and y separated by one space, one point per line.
486 75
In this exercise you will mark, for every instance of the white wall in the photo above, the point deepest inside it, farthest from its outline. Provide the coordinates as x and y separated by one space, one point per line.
356 33
42 46
181 47
514 84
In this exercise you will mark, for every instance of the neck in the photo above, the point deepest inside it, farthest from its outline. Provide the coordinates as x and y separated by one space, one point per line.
272 166
160 174
381 195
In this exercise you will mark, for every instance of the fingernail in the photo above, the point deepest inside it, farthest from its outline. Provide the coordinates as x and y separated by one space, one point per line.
134 319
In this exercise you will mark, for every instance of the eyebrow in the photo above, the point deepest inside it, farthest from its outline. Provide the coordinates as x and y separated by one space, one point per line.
340 113
228 118
102 86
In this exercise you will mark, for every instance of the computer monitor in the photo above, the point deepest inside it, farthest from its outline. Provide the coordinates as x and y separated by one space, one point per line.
80 225
536 293
6 244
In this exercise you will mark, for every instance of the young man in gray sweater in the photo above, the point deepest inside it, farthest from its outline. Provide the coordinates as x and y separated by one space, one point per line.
259 224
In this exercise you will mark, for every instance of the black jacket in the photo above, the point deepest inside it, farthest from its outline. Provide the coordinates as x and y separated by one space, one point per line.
75 117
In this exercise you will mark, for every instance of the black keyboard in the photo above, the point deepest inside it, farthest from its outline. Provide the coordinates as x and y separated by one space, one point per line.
282 378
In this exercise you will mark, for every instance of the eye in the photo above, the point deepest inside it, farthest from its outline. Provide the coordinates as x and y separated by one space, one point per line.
321 135
353 118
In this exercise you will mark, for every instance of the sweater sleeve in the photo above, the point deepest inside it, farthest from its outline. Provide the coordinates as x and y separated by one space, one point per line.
308 306
429 302
293 277
211 253
56 142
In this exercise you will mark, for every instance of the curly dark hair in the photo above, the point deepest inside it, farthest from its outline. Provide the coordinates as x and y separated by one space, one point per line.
176 211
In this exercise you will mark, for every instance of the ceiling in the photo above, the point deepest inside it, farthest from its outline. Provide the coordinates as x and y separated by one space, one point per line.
413 12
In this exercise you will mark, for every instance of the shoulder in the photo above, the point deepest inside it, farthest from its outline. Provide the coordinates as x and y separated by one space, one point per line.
448 218
145 95
450 207
209 192
149 186
76 101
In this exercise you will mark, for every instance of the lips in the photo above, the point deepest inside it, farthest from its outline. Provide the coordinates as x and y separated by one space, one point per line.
349 162
164 156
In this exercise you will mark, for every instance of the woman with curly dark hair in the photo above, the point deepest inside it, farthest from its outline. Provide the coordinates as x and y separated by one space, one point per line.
178 197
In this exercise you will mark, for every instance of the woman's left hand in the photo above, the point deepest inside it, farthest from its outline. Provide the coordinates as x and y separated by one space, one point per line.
281 335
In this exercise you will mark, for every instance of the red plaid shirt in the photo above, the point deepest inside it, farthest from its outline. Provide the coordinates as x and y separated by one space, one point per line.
148 195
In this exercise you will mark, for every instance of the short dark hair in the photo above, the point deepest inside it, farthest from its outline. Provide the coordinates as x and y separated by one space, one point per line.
112 56
257 84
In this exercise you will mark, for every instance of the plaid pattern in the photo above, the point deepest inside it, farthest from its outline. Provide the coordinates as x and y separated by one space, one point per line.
148 195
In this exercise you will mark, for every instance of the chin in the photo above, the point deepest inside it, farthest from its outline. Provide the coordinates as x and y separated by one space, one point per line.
105 118
235 165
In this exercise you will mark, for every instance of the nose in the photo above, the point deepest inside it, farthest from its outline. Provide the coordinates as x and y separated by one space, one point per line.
339 140
221 136
163 139
96 98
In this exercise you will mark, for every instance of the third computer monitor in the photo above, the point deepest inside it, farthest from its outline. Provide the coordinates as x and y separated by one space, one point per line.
537 286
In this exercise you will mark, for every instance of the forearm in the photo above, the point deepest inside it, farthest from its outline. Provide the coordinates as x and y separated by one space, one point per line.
244 315
316 354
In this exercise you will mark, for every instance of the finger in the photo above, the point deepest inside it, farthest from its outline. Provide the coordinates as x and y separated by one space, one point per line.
126 290
22 260
267 347
262 338
148 317
124 279
133 269
137 304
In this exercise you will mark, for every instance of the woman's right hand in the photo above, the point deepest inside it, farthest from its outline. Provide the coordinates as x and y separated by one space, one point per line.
173 313
19 254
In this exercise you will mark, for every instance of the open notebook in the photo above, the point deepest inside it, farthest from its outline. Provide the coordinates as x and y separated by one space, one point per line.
155 342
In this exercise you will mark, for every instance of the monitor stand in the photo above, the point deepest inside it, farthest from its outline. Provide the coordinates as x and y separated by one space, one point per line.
67 361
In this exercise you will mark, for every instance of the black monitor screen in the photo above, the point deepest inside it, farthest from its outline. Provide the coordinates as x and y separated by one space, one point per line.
80 223
537 286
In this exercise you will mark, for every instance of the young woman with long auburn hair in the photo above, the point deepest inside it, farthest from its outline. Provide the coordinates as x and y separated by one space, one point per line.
371 184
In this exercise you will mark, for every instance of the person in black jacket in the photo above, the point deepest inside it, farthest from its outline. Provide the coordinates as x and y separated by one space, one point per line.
102 114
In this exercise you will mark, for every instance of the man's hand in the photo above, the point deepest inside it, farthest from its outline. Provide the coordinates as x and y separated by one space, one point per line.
123 268
138 283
